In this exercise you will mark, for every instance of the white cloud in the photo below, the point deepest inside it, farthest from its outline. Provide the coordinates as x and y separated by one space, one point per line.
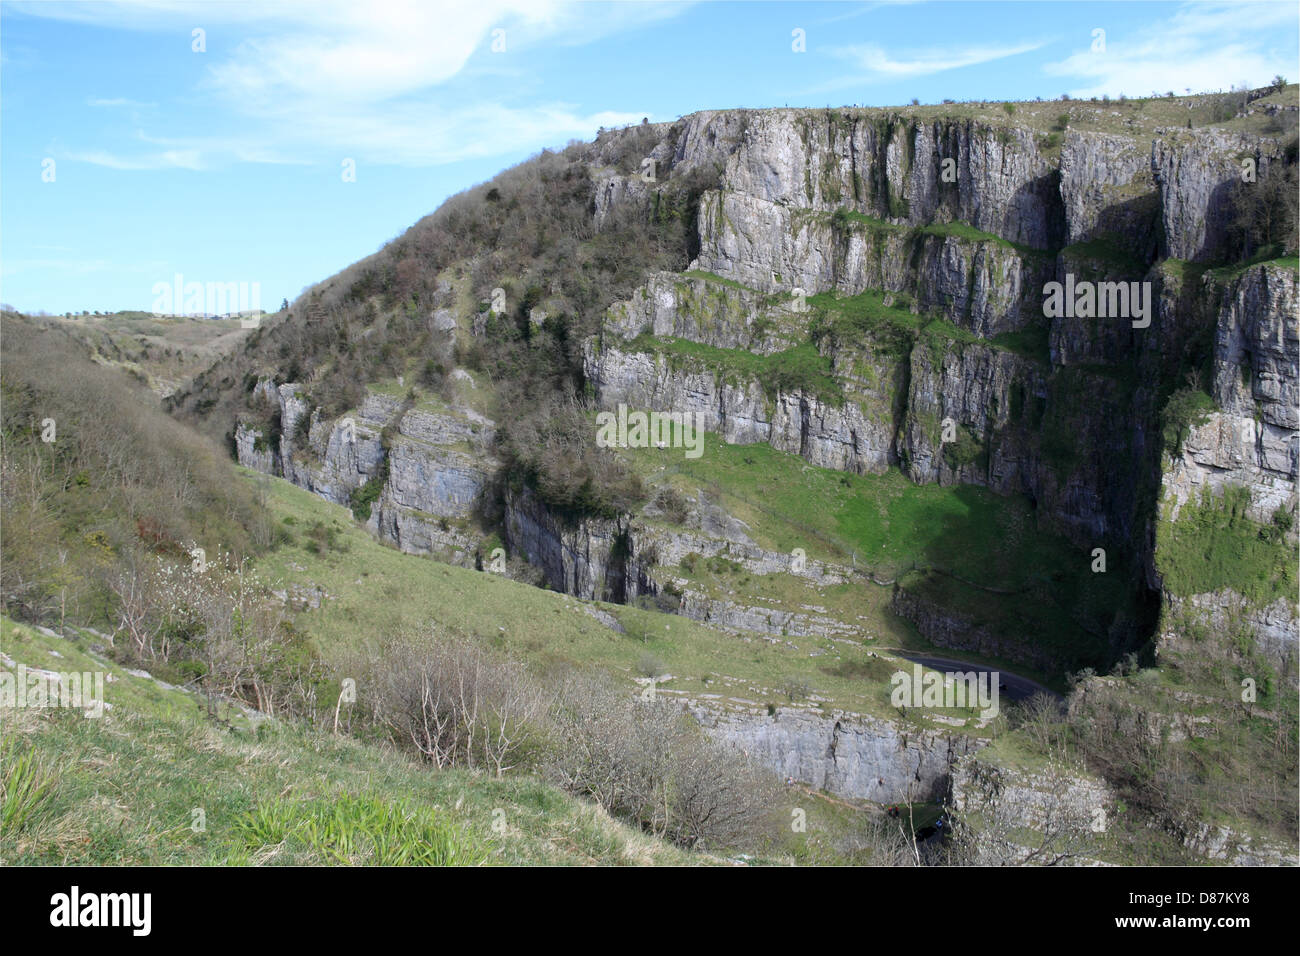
167 159
1201 47
876 64
119 102
381 81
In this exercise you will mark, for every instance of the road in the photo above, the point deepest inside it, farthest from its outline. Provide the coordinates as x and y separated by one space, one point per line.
1014 686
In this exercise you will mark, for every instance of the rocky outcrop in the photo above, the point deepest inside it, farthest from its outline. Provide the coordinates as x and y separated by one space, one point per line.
1226 845
851 436
722 315
1109 191
849 755
590 558
977 283
1273 627
1041 816
891 165
1196 171
433 469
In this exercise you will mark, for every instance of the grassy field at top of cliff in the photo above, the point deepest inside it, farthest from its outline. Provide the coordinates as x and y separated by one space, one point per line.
371 590
1134 116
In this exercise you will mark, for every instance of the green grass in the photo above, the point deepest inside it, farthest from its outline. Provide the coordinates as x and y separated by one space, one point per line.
895 329
375 590
984 554
963 230
351 830
1186 408
799 368
1109 253
718 280
1213 545
1267 256
123 790
1031 343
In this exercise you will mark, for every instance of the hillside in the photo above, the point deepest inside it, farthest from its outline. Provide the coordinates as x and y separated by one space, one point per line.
889 444
153 782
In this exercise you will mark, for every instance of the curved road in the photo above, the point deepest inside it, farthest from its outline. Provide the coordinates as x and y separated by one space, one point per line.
1016 687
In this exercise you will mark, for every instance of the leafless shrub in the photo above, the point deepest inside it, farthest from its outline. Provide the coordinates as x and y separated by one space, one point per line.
456 702
648 762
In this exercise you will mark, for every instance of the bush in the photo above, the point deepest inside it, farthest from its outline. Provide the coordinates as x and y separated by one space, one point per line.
455 702
648 665
648 762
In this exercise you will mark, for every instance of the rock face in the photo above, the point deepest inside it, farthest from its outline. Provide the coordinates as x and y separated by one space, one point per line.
589 559
1196 171
1001 802
1272 627
853 436
1252 440
1226 845
1108 189
432 472
963 222
893 166
847 755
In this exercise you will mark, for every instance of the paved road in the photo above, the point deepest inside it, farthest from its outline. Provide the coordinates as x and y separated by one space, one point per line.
1016 687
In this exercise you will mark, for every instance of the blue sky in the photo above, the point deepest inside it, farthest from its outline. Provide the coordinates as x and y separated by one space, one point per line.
226 164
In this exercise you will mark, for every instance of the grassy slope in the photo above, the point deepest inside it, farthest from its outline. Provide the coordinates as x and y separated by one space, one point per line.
164 350
126 785
372 590
887 523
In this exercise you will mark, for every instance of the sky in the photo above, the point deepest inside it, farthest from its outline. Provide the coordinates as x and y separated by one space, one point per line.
273 143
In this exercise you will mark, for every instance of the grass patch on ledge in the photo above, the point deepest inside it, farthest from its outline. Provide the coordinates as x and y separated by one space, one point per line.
1213 545
843 218
895 329
985 553
1108 252
801 368
719 280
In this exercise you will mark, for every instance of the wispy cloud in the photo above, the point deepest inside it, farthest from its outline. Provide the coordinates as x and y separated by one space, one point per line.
875 63
12 267
167 159
1202 46
381 82
119 102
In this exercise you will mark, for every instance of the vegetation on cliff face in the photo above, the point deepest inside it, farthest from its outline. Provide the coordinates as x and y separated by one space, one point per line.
1213 545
